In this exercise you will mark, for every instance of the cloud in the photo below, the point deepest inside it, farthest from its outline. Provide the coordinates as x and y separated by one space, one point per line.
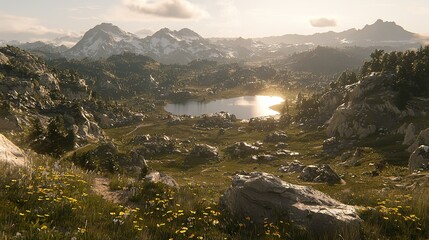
21 28
181 9
145 32
323 22
82 8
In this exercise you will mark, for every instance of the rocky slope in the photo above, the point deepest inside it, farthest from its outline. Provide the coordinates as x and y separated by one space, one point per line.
11 153
30 90
370 107
390 88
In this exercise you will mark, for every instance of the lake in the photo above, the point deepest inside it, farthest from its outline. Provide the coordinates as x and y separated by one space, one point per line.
245 107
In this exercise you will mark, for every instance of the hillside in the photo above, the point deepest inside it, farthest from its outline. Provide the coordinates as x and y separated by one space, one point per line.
106 152
324 60
36 98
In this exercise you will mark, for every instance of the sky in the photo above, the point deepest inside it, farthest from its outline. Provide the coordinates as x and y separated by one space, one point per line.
34 20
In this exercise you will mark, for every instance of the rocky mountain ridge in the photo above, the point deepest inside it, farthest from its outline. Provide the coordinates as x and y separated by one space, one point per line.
172 47
380 33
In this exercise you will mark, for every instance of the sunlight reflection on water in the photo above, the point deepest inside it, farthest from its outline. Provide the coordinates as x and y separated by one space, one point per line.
244 107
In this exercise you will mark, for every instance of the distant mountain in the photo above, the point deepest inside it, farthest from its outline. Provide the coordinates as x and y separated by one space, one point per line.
380 33
165 45
68 41
4 43
39 48
43 47
326 60
182 46
103 41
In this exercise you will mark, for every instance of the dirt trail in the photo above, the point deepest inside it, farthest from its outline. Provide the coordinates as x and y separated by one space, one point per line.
69 154
139 126
101 187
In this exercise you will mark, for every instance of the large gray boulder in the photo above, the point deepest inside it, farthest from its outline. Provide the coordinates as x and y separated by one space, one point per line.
419 159
262 196
422 139
321 173
11 153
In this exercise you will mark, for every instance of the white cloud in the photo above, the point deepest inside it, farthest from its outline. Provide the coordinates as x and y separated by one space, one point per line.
144 32
323 22
21 28
83 8
180 9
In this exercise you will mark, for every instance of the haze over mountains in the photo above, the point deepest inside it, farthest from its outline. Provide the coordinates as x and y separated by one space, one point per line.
169 46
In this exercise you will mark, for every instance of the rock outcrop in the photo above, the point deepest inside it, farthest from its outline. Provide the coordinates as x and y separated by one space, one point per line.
157 177
152 145
419 159
217 120
322 173
264 197
294 167
31 90
422 139
240 149
370 106
11 153
203 151
276 137
263 158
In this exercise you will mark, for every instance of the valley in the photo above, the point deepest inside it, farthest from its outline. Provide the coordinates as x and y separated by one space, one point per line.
110 140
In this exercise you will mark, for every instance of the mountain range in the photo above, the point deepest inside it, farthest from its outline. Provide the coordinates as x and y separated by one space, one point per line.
183 46
381 33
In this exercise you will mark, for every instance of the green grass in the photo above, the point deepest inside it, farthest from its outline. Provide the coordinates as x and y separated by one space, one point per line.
156 212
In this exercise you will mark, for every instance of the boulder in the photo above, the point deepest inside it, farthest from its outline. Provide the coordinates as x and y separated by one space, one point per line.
264 197
217 120
286 153
204 151
11 153
240 149
294 167
330 145
402 129
276 137
157 177
319 173
346 155
410 135
419 159
422 139
263 158
152 145
263 123
369 107
354 160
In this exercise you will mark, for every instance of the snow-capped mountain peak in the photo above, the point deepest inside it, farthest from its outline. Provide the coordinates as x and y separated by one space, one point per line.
103 41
